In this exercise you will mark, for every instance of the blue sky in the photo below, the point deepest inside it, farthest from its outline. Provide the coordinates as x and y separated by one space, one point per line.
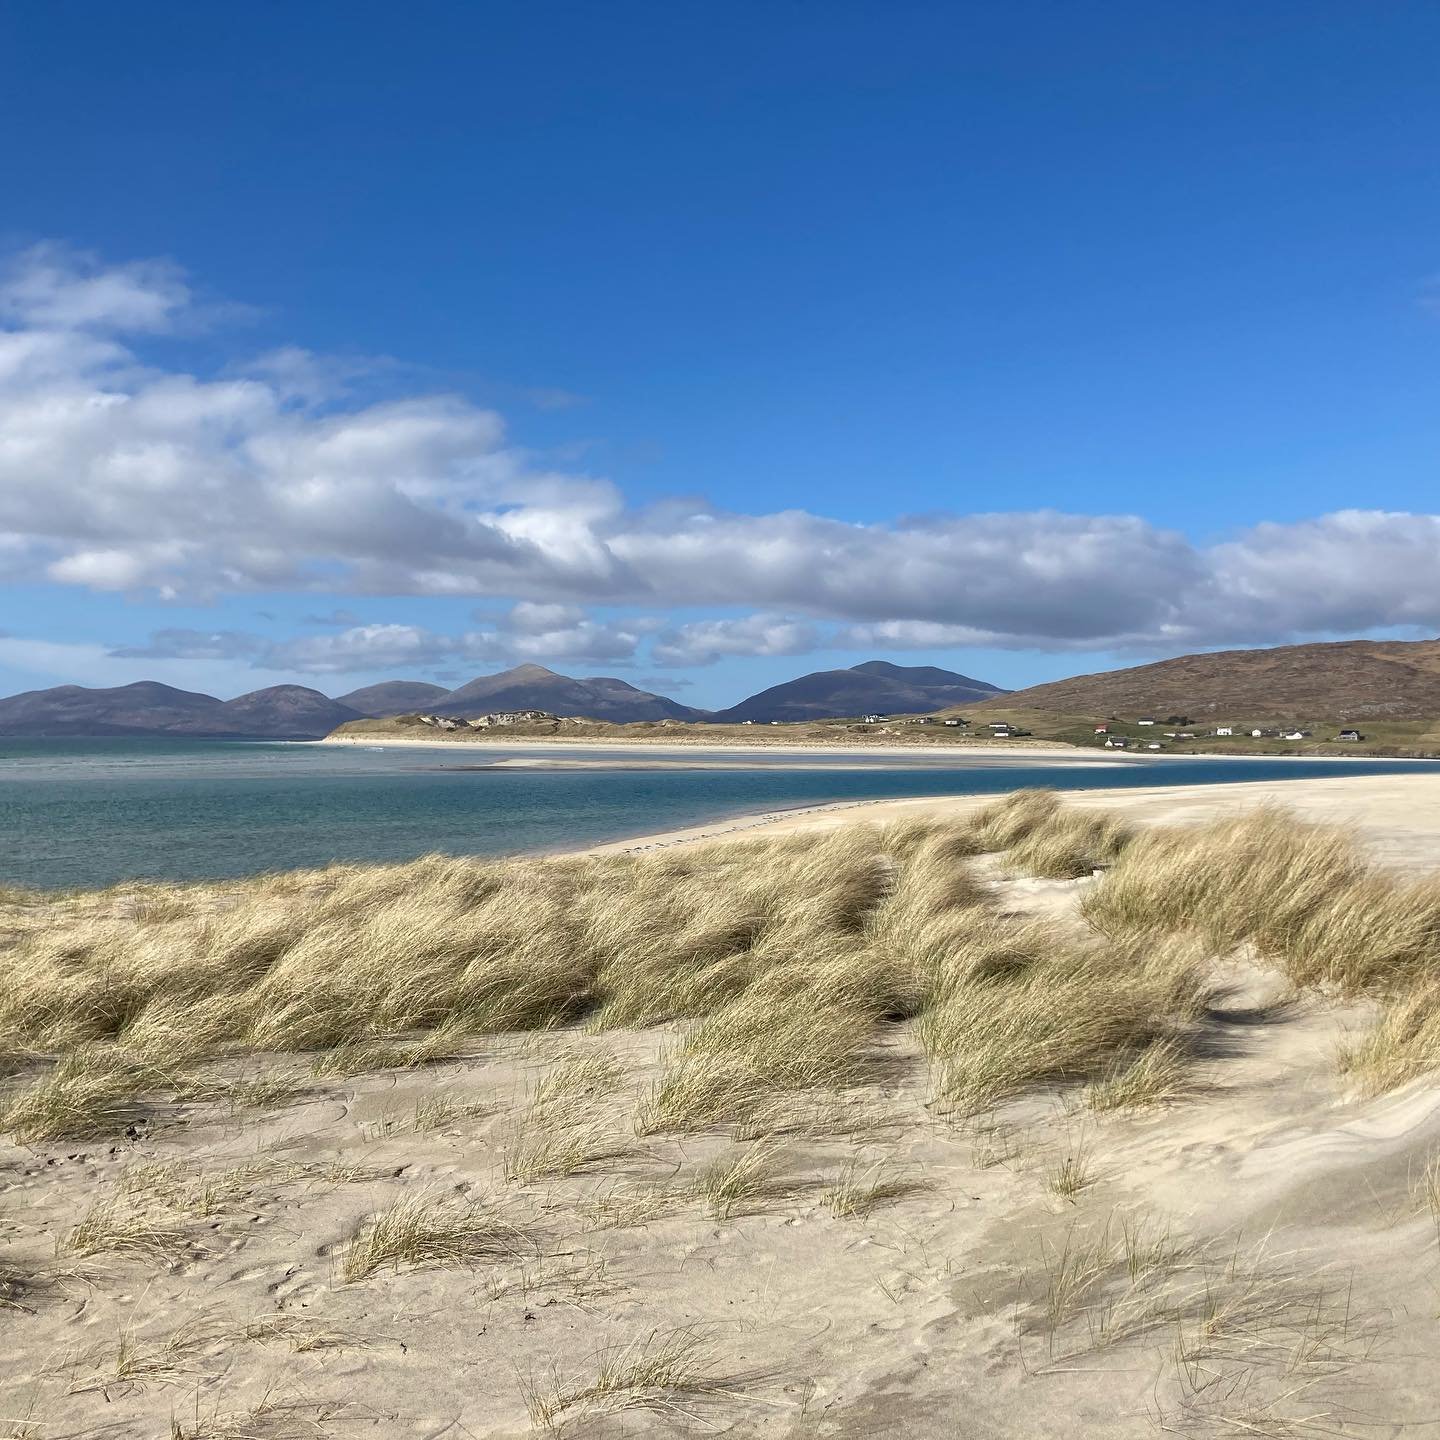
709 344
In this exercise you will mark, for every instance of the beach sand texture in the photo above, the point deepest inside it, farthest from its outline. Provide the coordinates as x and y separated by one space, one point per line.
1258 1254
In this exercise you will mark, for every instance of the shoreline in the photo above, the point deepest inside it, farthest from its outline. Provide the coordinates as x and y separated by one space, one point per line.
1398 816
794 747
1016 753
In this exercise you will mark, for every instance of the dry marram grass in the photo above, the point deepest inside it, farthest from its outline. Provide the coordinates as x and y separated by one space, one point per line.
787 961
430 1229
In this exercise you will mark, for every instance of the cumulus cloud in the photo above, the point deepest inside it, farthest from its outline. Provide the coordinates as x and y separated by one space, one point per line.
55 288
367 647
703 642
120 476
526 632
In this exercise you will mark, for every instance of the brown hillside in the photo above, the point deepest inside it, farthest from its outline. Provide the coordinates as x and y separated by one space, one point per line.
1350 679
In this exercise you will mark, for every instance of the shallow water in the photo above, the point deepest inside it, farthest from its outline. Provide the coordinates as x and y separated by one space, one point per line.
92 812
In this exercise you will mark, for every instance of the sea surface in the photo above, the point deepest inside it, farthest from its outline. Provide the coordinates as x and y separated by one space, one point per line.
93 812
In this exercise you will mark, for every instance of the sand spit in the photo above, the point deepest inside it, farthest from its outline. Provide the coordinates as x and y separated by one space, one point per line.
956 751
488 1244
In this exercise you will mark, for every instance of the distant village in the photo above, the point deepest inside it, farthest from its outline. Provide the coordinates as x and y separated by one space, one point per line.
1222 732
997 729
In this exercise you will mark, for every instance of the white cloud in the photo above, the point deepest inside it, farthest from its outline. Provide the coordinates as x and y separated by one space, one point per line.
52 287
363 648
526 632
703 642
119 476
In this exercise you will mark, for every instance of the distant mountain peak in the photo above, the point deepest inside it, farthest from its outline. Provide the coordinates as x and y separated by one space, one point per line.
393 697
877 686
528 670
926 675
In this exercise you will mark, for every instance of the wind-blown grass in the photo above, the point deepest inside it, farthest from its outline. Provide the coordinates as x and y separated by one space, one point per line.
787 961
1303 897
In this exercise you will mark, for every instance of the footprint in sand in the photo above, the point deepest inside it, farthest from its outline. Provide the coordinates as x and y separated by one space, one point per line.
293 1290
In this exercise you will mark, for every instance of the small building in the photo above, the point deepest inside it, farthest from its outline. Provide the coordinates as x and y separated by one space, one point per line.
1154 745
1257 734
922 720
747 722
1116 742
872 719
1102 729
1148 720
1294 735
954 722
1224 729
1351 735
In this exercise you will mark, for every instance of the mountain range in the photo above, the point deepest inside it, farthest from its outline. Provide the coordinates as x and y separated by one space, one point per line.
1339 680
295 712
281 712
1352 679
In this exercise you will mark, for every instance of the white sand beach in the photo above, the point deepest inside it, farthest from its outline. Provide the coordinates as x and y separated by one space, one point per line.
992 750
1253 1255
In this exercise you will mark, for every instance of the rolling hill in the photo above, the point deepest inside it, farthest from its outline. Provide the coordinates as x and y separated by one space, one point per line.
1341 680
874 687
393 697
280 712
283 712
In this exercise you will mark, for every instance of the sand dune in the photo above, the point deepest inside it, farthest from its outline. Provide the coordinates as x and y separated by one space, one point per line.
1257 1254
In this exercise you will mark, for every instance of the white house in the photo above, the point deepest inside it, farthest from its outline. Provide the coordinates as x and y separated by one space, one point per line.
1350 735
1256 734
1293 735
952 722
1224 729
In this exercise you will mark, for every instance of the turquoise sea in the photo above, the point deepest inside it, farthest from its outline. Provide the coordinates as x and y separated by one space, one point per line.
92 812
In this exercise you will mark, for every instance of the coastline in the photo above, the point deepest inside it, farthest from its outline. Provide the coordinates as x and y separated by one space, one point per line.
1397 817
1043 748
1015 752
